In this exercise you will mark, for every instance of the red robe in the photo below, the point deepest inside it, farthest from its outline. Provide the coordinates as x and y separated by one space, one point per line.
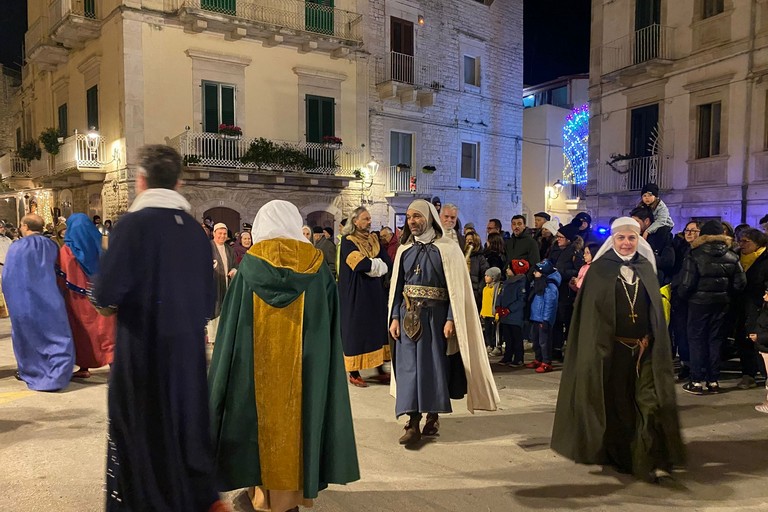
93 333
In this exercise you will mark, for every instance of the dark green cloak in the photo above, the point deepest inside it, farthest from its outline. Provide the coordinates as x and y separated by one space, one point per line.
328 445
580 418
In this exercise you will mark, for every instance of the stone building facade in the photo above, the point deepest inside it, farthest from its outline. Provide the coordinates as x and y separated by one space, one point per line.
10 80
301 75
679 95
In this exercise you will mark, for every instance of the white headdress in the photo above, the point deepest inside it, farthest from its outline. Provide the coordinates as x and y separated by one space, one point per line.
624 224
278 219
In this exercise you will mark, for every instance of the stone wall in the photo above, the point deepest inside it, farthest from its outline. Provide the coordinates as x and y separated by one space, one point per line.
9 86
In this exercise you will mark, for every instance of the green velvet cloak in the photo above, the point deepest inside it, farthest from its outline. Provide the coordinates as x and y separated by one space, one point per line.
328 443
580 419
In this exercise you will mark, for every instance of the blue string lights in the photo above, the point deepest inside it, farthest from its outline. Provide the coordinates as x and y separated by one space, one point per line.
576 145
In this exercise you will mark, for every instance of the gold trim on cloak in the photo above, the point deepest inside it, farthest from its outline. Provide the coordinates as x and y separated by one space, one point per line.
370 360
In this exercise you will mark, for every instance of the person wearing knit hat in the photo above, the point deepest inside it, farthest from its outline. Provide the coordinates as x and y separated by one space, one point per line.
567 257
488 308
649 196
710 278
583 222
510 308
437 203
546 281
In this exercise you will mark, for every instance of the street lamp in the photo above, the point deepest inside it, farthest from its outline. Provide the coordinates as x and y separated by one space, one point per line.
92 139
553 192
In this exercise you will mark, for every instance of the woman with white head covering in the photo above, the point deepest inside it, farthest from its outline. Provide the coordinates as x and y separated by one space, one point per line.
277 375
617 404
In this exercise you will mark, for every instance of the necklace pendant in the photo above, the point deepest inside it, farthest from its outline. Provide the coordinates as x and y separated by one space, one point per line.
633 316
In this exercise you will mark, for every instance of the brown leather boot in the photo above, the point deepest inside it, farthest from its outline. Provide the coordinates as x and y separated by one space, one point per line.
432 425
412 433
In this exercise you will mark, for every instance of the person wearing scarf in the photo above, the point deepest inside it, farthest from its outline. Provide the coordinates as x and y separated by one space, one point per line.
363 266
439 352
616 404
242 244
94 334
279 399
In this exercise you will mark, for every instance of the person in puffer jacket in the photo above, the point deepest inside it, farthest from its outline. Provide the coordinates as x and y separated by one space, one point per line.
543 314
710 276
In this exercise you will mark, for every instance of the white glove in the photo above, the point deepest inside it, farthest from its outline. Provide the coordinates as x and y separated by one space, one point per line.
378 268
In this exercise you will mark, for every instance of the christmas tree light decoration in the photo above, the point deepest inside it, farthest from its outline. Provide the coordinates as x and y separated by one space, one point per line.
576 146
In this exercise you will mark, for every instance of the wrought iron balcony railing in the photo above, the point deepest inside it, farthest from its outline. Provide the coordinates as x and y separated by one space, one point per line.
408 181
297 15
12 166
632 175
60 9
654 42
215 150
407 69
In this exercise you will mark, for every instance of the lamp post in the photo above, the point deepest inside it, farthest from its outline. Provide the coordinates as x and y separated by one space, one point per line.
367 174
553 192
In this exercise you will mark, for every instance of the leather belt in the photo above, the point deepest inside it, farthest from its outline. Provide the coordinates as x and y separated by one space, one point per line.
632 344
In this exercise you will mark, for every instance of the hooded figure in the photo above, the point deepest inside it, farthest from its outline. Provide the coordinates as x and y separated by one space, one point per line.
94 334
439 350
617 403
281 419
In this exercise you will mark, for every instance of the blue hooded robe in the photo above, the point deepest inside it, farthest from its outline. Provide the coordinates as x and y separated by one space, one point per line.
42 340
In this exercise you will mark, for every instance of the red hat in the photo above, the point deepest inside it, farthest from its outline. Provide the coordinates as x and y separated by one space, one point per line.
519 266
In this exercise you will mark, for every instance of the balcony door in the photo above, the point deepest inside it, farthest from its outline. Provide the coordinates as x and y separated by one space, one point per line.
647 30
644 120
401 45
318 16
222 6
89 9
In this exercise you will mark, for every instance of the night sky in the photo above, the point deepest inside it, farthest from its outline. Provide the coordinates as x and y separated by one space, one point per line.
556 37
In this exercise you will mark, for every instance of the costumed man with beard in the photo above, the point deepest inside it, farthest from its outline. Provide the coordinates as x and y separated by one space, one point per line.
439 352
362 269
279 397
616 404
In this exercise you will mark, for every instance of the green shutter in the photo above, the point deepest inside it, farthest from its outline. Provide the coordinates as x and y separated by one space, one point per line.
92 107
89 9
318 16
227 105
222 6
63 120
321 120
210 107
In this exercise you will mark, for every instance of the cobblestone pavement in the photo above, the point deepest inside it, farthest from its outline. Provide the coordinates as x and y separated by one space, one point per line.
52 454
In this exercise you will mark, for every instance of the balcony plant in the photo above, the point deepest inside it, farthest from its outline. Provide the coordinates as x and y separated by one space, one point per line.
403 167
428 169
332 141
191 160
265 154
29 150
230 130
50 139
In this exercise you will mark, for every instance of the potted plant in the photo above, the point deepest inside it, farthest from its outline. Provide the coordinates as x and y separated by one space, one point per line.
331 141
230 131
191 160
29 150
403 167
51 140
428 169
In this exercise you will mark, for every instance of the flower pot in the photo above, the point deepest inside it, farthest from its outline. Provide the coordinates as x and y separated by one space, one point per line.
230 137
331 145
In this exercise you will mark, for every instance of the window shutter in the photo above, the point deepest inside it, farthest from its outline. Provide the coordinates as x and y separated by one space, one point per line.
92 107
210 108
227 105
313 119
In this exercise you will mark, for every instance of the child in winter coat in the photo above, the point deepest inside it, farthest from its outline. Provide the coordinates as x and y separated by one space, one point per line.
661 217
510 306
488 308
759 335
543 314
589 252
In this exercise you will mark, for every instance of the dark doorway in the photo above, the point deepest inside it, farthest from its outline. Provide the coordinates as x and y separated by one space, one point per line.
318 16
401 45
647 30
322 219
644 121
228 216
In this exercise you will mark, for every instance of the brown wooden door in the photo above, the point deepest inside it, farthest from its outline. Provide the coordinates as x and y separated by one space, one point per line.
228 216
401 46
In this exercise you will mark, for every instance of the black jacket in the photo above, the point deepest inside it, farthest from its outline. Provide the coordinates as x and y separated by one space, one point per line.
758 324
523 247
568 261
661 243
711 272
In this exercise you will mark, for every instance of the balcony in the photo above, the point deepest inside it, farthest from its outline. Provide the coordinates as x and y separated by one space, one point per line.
407 78
41 49
14 172
309 26
630 175
73 22
81 158
211 156
404 181
645 51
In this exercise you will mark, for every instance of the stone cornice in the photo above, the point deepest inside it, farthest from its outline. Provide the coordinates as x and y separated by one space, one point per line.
709 83
199 54
319 73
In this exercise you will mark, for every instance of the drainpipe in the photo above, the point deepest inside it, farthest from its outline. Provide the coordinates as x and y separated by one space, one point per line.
749 82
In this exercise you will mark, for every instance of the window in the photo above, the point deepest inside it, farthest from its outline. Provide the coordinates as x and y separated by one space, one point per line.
18 138
63 120
472 70
708 140
469 159
92 107
320 117
712 8
402 48
218 106
400 149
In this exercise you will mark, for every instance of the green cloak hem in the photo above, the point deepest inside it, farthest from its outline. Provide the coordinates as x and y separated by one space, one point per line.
580 418
328 442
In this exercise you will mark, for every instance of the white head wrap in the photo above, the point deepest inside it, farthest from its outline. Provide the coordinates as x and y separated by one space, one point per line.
624 224
429 212
278 219
551 226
